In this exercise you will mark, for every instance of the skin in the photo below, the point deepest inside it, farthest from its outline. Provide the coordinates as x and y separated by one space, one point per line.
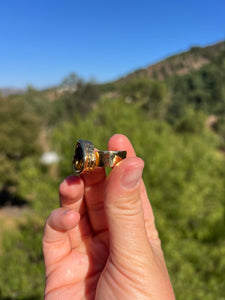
102 242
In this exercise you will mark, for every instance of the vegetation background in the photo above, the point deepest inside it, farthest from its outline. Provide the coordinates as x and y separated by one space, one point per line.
174 114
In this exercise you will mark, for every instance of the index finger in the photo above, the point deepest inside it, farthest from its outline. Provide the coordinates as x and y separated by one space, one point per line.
94 186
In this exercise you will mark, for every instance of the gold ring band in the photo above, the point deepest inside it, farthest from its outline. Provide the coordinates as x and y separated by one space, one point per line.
86 158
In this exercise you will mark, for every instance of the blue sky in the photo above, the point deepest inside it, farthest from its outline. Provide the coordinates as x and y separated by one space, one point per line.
43 41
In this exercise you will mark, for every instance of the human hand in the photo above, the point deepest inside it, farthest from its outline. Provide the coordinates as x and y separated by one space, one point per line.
102 243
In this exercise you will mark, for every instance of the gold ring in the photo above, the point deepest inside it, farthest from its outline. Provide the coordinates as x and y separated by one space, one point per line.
86 158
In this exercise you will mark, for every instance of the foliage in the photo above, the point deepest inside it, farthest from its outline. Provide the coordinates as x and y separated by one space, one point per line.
80 101
191 121
38 104
21 259
21 263
203 89
219 127
152 95
38 186
72 81
18 134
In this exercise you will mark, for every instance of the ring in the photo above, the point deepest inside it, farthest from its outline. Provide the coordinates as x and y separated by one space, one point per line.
86 158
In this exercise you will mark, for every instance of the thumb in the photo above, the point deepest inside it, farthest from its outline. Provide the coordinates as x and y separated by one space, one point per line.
123 207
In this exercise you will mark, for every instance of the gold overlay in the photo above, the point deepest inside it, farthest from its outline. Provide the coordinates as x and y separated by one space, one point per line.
86 158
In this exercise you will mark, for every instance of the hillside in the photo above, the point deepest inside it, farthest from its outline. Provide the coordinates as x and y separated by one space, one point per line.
179 64
11 91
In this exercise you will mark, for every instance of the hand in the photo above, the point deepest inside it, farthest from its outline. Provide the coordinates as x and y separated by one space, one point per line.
102 243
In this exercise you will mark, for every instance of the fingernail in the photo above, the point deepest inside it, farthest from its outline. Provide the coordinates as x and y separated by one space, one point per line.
131 177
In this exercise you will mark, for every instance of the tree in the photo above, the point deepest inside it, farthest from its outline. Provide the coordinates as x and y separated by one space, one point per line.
18 138
152 95
72 81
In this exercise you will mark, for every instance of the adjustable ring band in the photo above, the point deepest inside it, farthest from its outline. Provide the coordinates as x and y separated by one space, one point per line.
86 158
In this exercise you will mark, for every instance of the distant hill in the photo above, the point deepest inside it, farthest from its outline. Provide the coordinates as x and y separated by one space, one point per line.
11 91
179 64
